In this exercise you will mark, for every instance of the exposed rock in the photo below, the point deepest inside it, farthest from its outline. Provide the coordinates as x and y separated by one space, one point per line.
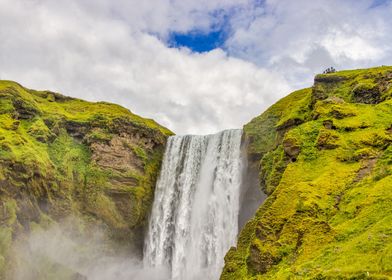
76 129
328 124
23 110
334 100
95 161
341 112
289 124
261 262
366 169
325 78
291 147
327 140
323 85
363 93
325 208
117 154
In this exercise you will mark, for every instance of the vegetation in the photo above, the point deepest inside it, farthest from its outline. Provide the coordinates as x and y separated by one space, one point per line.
325 160
329 70
63 157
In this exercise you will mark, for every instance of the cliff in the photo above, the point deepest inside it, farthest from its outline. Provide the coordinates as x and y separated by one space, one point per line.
62 157
325 160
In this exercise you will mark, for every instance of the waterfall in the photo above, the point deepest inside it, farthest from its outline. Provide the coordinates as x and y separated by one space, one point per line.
194 219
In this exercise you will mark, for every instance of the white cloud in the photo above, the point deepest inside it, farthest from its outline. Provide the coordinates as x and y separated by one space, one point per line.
353 47
98 57
109 50
301 38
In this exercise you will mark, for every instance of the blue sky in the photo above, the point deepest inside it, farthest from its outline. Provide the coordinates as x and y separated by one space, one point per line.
198 41
195 66
204 41
379 3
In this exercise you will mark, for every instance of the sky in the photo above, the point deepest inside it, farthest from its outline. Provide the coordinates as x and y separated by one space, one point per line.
195 66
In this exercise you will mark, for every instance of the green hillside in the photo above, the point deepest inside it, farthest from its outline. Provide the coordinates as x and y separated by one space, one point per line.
62 157
325 160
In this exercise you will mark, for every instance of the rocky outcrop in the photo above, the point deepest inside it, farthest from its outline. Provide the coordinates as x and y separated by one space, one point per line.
328 176
62 157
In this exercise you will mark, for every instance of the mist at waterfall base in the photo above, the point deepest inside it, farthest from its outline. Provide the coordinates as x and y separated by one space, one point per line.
57 253
193 223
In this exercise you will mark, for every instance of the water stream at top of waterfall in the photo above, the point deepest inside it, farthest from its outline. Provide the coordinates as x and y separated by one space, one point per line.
194 218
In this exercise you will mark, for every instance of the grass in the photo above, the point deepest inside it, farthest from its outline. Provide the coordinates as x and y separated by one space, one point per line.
48 166
328 213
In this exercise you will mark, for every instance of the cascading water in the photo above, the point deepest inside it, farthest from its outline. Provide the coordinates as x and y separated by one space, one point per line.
194 219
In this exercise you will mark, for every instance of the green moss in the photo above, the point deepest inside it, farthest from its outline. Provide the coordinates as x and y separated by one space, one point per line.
295 109
329 178
328 139
99 134
140 153
39 131
5 244
306 135
6 106
345 84
9 211
58 158
144 194
262 131
383 167
69 156
272 167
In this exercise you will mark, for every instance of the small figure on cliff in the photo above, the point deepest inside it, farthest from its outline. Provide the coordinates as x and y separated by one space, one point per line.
329 70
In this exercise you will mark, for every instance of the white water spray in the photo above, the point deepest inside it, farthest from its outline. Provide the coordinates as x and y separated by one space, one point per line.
194 219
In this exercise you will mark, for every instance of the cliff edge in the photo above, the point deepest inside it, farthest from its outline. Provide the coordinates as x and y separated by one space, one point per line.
325 160
62 157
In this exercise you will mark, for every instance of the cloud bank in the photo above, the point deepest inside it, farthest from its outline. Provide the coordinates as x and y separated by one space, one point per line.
117 51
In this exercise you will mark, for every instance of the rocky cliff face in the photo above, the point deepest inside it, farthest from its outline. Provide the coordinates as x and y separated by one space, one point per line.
325 160
324 156
62 157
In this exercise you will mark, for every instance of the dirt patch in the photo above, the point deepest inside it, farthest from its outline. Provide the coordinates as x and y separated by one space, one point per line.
365 170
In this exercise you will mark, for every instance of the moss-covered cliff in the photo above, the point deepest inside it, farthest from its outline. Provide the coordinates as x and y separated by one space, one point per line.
62 157
325 157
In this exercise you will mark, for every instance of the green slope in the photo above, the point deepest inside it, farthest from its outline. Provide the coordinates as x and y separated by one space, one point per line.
62 157
325 157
